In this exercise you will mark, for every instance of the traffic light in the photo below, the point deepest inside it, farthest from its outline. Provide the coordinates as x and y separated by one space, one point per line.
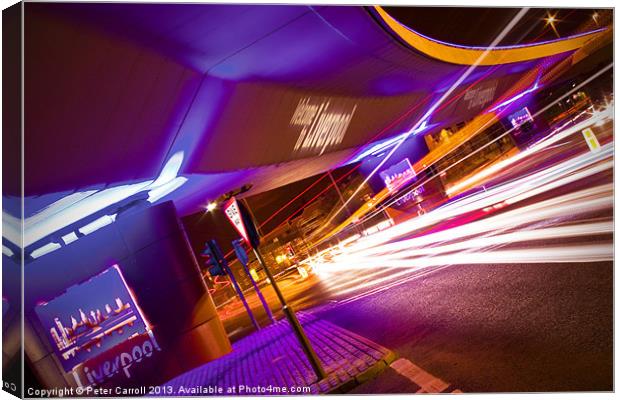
214 261
290 253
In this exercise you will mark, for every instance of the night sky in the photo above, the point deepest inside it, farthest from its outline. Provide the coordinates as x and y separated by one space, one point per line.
474 26
208 225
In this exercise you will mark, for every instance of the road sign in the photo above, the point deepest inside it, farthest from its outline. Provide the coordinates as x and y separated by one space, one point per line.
231 208
240 252
240 217
591 140
242 221
254 274
290 253
243 258
303 273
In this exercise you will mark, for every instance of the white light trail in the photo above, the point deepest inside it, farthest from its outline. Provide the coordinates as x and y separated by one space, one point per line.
508 220
595 120
422 121
381 257
545 143
567 172
527 233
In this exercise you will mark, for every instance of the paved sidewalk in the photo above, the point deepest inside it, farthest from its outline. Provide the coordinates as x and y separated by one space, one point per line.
272 358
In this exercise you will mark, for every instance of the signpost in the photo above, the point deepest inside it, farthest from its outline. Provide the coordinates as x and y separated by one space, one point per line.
233 212
242 221
242 256
218 262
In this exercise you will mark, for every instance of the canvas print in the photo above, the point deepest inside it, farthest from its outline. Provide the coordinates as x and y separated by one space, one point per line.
230 199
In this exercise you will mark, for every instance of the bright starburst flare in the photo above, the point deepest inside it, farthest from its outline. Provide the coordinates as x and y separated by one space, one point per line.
551 20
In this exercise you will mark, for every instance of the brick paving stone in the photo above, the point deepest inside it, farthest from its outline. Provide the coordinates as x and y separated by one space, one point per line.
273 356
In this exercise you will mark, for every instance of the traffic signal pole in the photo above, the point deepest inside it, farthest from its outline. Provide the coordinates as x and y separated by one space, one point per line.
217 265
242 220
242 256
241 296
292 319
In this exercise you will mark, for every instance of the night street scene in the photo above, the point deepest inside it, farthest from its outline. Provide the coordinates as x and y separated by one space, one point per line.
290 199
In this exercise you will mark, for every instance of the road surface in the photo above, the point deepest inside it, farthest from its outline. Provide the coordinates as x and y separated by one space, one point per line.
508 288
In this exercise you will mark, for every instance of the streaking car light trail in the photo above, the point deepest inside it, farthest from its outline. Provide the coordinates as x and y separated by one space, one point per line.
564 173
598 117
381 256
536 212
581 253
493 169
404 268
469 251
422 121
545 143
589 200
384 259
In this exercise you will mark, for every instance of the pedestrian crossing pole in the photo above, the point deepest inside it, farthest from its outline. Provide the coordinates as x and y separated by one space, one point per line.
243 222
243 259
242 297
292 319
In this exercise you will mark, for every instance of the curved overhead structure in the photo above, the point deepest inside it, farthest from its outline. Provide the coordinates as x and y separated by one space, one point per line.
464 55
245 93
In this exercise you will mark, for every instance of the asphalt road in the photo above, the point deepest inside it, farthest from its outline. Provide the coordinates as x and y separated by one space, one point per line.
496 326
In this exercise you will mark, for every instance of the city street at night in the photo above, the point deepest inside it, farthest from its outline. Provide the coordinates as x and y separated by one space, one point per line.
540 321
292 199
533 307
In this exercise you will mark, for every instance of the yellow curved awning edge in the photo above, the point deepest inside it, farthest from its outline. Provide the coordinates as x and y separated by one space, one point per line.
472 56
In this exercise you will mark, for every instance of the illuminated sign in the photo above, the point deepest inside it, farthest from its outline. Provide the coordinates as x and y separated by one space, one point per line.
91 317
397 175
591 140
322 127
411 196
119 362
231 209
481 95
520 117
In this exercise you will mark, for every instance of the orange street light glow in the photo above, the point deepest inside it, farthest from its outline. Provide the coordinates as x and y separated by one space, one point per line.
551 20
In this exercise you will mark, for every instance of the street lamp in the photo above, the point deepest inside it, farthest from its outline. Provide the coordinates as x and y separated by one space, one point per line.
551 20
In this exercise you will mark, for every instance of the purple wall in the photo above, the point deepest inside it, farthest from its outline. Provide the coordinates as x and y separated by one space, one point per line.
112 90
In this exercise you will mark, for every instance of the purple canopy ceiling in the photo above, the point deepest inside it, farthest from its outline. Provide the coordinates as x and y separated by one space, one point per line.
112 91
